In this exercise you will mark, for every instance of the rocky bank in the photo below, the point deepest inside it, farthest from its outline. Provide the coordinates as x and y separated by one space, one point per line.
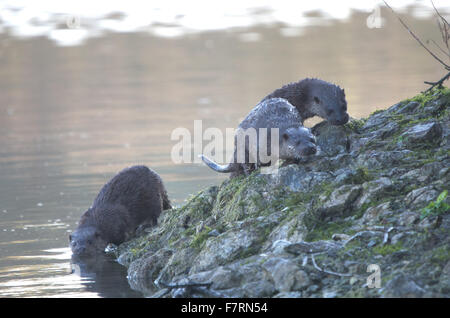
376 194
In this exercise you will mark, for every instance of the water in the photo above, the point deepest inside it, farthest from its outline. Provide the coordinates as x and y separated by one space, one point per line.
74 113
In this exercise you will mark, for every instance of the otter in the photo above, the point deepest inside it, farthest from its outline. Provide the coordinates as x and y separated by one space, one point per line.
133 198
295 141
315 97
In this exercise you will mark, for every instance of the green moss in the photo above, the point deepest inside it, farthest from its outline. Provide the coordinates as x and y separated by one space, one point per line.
197 208
221 227
427 97
190 231
354 125
134 251
404 121
248 252
296 199
229 189
292 229
265 233
441 255
360 212
387 249
442 152
241 197
324 230
200 238
355 293
437 207
352 246
299 202
258 201
361 175
420 156
377 112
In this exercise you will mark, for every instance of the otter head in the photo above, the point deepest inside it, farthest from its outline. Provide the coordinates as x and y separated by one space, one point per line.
297 142
86 241
328 101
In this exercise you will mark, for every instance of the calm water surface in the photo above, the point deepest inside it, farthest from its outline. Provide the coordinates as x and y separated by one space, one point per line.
73 116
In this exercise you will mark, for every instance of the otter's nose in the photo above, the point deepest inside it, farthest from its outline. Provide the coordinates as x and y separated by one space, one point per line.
77 249
344 119
310 150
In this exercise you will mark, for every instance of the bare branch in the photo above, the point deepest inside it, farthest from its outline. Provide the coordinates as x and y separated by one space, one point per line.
325 271
444 28
444 34
441 49
416 38
438 83
444 21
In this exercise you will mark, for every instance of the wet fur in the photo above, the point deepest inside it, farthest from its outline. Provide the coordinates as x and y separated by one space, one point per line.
134 197
315 97
270 113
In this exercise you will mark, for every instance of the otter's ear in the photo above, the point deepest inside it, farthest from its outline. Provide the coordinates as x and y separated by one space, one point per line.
316 100
285 136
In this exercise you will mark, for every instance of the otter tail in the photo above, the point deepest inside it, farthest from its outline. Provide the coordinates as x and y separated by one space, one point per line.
217 167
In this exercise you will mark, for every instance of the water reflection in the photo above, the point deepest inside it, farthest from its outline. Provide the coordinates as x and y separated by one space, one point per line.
104 276
43 278
63 276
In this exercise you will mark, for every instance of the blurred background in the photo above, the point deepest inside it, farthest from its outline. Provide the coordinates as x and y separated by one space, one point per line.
90 87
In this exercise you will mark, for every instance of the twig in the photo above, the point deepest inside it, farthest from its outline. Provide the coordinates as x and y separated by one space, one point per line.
440 16
386 235
416 38
325 271
438 83
441 49
360 234
444 32
174 286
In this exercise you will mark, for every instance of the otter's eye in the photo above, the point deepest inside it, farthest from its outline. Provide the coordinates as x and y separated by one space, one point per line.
329 112
89 242
316 100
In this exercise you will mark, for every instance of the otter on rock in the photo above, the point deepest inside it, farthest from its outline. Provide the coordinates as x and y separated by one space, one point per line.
133 198
294 141
314 97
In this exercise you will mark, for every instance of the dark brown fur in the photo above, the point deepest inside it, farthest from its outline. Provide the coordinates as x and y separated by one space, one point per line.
315 97
134 197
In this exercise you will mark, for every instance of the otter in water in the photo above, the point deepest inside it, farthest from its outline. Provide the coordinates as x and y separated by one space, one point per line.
314 97
294 140
133 198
